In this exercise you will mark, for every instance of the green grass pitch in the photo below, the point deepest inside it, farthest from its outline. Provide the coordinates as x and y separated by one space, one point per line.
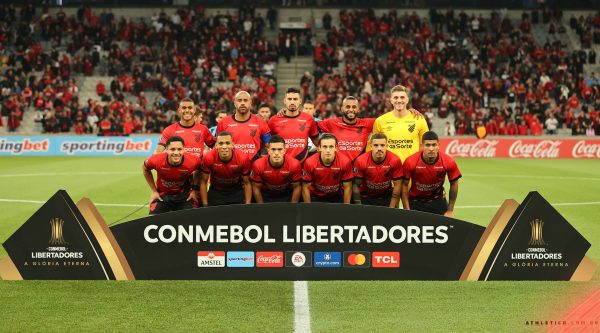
256 306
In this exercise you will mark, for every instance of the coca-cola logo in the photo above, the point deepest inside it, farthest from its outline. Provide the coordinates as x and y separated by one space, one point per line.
479 148
583 150
537 149
269 259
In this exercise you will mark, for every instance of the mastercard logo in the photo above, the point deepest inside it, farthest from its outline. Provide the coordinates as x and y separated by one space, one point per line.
357 259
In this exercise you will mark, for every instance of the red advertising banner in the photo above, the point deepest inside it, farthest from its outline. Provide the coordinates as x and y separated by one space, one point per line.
521 148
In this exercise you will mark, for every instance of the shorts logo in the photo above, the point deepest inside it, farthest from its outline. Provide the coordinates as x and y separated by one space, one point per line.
328 259
385 259
298 259
211 258
269 259
357 259
240 259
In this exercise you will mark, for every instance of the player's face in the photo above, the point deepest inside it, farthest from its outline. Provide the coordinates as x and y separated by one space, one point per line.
328 148
199 118
220 116
276 152
175 152
309 108
264 113
350 109
292 101
399 100
378 147
431 148
242 103
224 145
186 111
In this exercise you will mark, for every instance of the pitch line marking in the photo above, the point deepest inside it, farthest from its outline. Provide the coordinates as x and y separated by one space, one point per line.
531 177
53 174
301 307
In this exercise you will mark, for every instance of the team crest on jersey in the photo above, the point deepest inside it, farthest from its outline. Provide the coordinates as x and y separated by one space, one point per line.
302 127
441 174
388 173
411 128
337 175
197 137
360 129
253 132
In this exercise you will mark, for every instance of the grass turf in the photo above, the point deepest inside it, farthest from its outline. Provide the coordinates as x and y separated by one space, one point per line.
257 306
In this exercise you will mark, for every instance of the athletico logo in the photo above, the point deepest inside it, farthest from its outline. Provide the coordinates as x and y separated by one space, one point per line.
328 259
24 146
386 259
269 259
357 259
298 259
211 258
240 259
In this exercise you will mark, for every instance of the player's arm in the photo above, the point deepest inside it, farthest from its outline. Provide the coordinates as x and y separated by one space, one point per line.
256 191
247 189
204 188
296 191
160 148
195 187
452 198
356 191
306 191
347 191
150 180
396 193
404 194
416 113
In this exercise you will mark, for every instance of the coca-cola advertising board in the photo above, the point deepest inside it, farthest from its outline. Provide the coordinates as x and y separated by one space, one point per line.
521 148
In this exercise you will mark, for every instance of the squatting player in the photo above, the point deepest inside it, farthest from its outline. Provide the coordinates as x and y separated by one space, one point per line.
276 177
294 126
174 169
327 175
228 168
374 173
427 170
401 126
194 134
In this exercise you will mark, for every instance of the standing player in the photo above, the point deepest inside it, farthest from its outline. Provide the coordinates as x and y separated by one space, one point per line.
220 115
401 126
193 133
228 169
352 132
265 112
174 169
327 175
427 170
294 126
374 173
249 130
276 177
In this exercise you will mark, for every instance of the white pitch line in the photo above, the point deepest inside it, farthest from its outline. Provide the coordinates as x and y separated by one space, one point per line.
97 204
301 307
553 204
52 174
530 177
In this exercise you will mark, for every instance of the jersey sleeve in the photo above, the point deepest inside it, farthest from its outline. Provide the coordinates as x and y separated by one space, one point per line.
369 123
348 173
422 124
209 139
398 169
307 172
256 172
151 162
165 136
452 169
206 163
408 168
323 126
377 126
245 165
313 131
359 171
220 127
295 171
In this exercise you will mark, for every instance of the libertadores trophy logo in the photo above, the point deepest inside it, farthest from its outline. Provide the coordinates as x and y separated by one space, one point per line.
56 232
537 238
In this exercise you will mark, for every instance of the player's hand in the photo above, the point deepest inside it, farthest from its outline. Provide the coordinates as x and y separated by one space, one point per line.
415 113
193 196
281 112
155 196
449 213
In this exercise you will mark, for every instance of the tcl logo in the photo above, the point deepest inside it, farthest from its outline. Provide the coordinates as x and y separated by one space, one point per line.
386 259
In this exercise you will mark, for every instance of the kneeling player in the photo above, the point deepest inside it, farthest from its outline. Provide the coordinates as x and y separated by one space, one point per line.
427 170
374 172
228 169
276 177
174 169
327 175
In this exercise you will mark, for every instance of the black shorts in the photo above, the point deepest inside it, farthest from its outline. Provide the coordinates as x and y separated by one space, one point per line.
383 201
170 203
225 197
437 205
330 199
285 197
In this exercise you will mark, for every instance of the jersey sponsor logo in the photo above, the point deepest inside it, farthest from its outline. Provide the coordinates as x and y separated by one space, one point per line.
328 259
385 259
105 145
211 258
298 259
357 259
240 259
269 259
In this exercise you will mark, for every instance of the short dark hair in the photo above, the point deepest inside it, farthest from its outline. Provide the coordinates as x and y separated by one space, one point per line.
431 135
187 99
221 111
174 138
198 111
377 136
276 139
225 133
349 98
326 136
293 91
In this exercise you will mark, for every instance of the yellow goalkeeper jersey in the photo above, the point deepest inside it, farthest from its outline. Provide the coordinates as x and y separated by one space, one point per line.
404 134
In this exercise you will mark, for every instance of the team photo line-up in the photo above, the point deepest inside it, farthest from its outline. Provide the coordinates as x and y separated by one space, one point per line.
291 157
